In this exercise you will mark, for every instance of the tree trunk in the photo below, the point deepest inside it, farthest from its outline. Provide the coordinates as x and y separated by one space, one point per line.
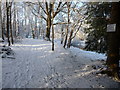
70 38
0 21
7 14
11 24
25 25
48 26
3 25
52 37
62 35
14 22
18 24
33 35
68 6
52 6
39 31
31 26
113 41
49 21
36 33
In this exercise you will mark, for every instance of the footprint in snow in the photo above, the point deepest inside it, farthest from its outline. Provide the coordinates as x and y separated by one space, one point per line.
31 77
27 70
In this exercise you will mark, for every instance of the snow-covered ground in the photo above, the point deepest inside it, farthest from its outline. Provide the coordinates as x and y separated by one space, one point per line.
36 66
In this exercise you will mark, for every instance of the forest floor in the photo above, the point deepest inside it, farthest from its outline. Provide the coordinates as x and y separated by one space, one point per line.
35 65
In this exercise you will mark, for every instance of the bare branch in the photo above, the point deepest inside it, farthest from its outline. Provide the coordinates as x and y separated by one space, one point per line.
77 30
42 8
46 8
59 9
39 16
61 23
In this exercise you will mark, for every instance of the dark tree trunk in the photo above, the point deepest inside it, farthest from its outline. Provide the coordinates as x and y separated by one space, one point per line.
68 6
7 14
52 37
48 12
113 41
33 31
49 21
70 38
52 6
48 26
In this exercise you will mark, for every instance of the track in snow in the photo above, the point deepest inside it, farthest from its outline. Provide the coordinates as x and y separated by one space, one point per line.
36 66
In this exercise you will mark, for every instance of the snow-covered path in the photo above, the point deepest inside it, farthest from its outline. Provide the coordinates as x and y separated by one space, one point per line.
36 66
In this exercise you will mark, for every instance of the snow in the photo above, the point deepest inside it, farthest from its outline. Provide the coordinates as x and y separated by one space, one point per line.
36 66
87 56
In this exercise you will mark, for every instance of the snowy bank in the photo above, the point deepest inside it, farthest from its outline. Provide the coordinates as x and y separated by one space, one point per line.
87 56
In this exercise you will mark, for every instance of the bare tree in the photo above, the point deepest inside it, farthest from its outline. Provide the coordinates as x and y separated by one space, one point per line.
47 11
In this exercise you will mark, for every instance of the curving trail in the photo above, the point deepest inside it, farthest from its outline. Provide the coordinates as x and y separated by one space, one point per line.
36 66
